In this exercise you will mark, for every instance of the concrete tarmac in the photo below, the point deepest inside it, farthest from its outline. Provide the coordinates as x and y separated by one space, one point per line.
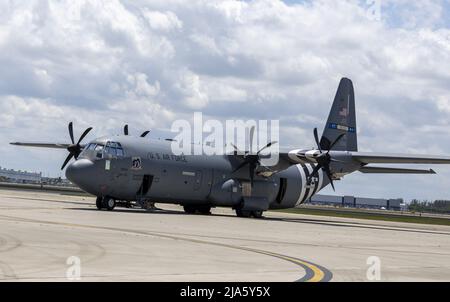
43 235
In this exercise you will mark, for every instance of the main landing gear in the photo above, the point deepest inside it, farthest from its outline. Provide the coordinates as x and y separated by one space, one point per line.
203 210
106 203
248 214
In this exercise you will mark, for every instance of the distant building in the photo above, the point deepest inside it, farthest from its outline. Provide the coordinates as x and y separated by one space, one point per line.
19 176
56 181
403 207
357 202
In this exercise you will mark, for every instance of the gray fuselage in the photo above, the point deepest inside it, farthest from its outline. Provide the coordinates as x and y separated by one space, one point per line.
148 169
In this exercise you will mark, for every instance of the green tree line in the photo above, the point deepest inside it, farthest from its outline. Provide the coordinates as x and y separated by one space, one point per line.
437 206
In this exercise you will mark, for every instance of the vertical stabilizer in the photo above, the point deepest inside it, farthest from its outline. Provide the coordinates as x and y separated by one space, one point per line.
342 119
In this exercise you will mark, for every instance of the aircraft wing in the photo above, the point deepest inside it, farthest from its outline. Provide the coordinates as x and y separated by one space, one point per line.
389 170
384 158
42 145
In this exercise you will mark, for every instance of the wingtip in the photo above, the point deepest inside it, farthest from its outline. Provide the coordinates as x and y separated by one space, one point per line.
432 171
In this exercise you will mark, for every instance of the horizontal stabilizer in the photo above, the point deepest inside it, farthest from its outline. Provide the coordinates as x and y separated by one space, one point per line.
42 145
383 170
383 158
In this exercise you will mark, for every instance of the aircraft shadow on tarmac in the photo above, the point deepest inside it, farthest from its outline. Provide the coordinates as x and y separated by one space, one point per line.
333 223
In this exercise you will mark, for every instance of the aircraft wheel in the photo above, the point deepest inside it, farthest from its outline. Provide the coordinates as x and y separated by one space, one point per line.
99 203
189 209
243 213
109 203
257 214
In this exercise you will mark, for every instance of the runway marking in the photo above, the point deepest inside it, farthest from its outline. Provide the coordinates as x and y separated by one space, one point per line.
314 272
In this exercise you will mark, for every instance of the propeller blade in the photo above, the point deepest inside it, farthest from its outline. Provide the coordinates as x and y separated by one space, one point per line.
125 130
235 148
145 133
330 177
314 172
252 168
252 175
336 141
252 133
84 134
71 132
240 166
332 185
69 157
316 137
267 146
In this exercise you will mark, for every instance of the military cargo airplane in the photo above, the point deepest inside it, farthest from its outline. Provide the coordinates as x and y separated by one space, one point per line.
130 171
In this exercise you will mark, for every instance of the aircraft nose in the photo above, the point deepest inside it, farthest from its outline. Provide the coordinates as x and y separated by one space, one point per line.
78 170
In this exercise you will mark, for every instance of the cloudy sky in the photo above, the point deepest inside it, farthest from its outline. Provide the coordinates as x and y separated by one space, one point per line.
147 63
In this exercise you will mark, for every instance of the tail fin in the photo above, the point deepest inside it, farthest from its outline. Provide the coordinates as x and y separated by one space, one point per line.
342 119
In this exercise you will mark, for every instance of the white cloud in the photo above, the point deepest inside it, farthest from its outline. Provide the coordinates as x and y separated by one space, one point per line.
141 87
162 21
191 89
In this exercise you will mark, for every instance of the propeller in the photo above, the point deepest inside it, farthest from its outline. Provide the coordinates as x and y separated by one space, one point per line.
74 148
126 132
252 160
145 133
324 159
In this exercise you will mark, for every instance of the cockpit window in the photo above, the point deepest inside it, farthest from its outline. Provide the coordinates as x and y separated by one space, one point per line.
120 152
114 149
96 150
92 150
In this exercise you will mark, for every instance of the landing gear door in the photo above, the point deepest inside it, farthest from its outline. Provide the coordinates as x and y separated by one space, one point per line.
147 182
